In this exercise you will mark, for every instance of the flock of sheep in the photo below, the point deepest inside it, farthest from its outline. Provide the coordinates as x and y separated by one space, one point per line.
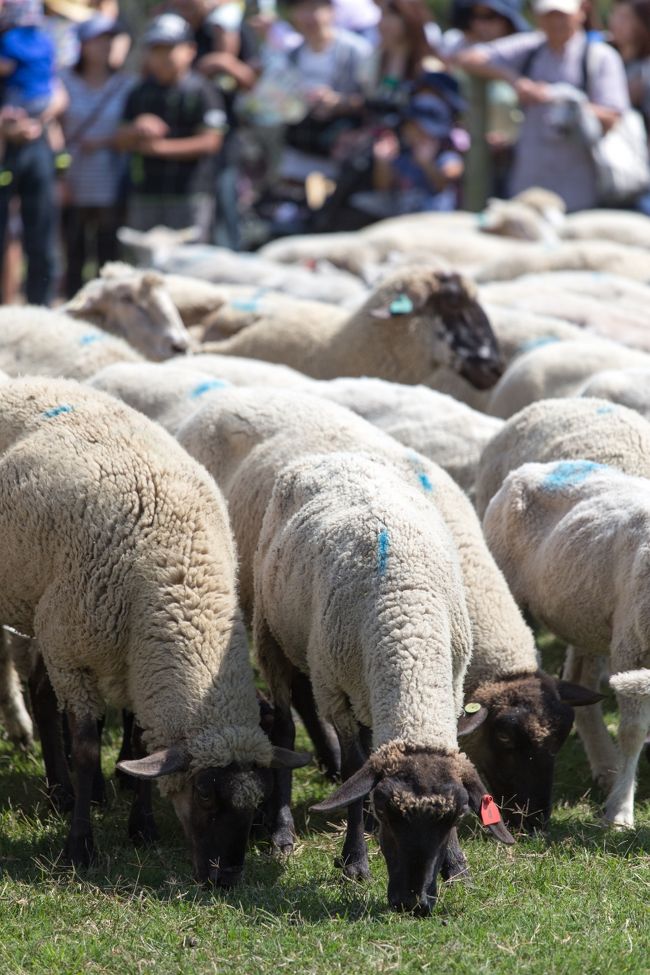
374 452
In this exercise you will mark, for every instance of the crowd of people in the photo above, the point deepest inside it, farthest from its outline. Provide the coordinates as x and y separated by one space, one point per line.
246 120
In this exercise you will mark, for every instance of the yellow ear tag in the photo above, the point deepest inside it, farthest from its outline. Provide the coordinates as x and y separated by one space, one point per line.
472 707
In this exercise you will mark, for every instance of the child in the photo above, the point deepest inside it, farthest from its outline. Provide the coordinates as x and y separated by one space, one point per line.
174 124
421 170
26 58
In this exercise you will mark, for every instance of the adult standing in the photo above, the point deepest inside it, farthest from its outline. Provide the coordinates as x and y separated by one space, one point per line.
97 97
549 68
629 26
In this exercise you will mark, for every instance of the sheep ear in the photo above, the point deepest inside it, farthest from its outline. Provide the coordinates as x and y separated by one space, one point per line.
356 787
472 718
165 762
285 758
130 237
89 299
576 696
477 792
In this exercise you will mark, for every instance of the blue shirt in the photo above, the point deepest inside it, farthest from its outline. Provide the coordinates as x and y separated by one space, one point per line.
33 52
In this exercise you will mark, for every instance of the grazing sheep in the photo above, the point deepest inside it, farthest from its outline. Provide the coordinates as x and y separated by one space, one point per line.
358 586
573 539
135 305
37 341
119 560
628 387
246 437
437 426
564 429
557 369
414 324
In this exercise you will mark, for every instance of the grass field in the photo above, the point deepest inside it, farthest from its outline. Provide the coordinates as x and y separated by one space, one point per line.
578 901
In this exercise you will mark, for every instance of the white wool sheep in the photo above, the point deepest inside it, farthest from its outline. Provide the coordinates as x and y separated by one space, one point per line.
240 371
564 429
245 437
628 387
572 538
37 341
358 586
413 324
166 394
557 369
131 594
13 713
137 306
246 307
434 424
622 226
575 255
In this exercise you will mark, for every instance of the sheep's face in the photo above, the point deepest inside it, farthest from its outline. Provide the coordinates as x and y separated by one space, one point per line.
147 318
462 325
216 808
529 719
417 796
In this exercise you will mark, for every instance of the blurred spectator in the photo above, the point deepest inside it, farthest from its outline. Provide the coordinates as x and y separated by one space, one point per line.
359 16
419 169
402 48
95 178
232 63
629 25
174 122
480 23
551 70
334 65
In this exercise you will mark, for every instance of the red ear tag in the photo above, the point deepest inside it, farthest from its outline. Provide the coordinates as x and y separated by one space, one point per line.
489 811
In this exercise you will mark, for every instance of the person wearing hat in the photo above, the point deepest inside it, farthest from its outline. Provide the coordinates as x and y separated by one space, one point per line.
550 68
97 95
480 23
419 170
173 127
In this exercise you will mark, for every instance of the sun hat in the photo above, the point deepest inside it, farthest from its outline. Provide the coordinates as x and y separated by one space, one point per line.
167 29
432 114
561 6
510 10
88 30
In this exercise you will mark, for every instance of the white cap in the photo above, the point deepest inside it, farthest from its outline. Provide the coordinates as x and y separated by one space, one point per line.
562 6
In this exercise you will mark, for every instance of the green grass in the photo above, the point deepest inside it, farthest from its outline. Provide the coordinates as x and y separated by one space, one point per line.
577 902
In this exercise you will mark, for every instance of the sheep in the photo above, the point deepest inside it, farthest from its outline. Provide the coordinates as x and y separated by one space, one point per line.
555 370
38 341
167 395
358 586
572 538
628 387
564 429
512 218
432 423
577 255
605 305
240 371
15 717
411 326
247 436
621 226
220 265
119 560
261 306
136 306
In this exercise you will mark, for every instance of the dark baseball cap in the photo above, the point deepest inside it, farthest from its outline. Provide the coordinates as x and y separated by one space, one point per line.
167 29
431 114
96 26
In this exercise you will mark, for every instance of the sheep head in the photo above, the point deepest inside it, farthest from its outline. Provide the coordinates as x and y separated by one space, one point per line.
418 795
216 805
136 306
440 321
528 720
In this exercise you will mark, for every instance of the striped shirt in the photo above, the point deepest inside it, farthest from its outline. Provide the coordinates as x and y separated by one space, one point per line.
94 177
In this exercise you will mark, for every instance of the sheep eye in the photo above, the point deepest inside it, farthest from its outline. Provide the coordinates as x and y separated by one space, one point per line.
504 738
204 794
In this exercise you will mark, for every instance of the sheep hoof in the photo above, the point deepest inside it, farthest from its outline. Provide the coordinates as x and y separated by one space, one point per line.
283 841
79 850
620 821
354 869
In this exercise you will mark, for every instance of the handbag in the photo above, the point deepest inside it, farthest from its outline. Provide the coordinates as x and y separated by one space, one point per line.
621 160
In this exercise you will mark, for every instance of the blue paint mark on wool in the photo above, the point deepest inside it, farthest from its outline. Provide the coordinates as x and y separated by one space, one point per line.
90 339
57 411
425 481
538 343
569 473
383 548
205 387
603 410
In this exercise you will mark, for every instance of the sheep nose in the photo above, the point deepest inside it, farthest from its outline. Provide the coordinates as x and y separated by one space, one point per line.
180 346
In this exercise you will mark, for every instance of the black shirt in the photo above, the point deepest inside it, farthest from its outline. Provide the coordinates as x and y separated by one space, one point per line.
187 107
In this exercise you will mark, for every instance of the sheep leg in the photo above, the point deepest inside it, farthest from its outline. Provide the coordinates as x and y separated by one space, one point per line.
454 864
79 847
632 731
601 751
99 783
15 716
322 734
354 858
282 828
48 723
142 826
126 782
